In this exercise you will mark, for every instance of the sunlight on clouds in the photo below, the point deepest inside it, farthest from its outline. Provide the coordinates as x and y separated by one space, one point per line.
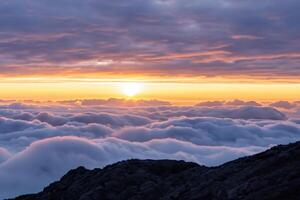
105 62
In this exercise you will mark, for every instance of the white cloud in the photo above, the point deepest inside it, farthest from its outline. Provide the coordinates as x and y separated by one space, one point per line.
216 131
39 143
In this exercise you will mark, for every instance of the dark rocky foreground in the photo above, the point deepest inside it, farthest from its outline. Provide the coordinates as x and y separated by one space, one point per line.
274 174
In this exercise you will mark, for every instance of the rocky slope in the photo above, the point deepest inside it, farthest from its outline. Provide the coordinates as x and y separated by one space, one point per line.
274 174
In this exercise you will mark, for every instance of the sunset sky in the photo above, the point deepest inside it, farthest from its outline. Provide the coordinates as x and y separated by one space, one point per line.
177 50
93 82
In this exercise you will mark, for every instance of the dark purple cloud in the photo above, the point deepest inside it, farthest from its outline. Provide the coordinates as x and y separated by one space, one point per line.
170 37
283 104
4 155
242 103
211 103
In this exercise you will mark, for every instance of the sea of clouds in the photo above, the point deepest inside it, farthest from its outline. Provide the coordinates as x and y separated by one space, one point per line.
40 142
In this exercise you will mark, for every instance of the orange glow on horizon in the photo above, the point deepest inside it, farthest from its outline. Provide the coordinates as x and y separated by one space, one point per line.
178 92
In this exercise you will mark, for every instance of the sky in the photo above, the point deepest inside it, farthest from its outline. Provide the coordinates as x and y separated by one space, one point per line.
48 48
89 83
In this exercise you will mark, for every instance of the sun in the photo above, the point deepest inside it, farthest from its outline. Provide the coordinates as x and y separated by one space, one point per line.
131 89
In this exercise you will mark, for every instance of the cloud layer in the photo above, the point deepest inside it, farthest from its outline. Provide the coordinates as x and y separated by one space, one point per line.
40 142
153 37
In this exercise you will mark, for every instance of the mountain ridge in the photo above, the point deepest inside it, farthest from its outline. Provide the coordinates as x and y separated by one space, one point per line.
273 174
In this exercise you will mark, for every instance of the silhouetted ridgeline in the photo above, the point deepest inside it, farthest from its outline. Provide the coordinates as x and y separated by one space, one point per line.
274 174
